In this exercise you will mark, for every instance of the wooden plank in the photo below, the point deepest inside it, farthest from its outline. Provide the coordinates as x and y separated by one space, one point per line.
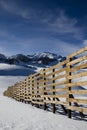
77 75
36 94
52 84
55 102
55 96
56 72
56 90
37 98
77 84
77 60
83 101
36 74
35 102
78 92
56 66
78 109
39 89
55 78
59 77
78 52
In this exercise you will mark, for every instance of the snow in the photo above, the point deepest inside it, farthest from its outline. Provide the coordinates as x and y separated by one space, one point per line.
15 70
7 66
6 81
2 56
45 54
19 116
15 115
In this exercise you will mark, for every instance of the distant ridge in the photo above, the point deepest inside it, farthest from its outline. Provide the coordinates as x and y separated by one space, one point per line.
44 59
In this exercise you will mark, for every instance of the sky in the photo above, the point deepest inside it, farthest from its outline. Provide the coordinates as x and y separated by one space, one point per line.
33 26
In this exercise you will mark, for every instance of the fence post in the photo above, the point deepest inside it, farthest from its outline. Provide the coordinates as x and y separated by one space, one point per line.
44 88
32 88
29 90
68 73
25 90
53 92
20 91
37 87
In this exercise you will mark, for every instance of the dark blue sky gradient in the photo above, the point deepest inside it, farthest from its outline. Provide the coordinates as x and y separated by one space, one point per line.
31 26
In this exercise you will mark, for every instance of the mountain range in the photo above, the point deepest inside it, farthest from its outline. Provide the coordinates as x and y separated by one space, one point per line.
24 65
21 64
44 59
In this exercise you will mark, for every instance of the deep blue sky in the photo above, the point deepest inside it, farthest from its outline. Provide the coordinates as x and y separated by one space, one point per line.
31 26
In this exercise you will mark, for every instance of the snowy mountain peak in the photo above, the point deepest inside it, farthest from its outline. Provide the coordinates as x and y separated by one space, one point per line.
19 57
45 59
45 54
2 57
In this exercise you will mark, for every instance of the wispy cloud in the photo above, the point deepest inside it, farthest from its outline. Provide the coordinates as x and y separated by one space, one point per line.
63 24
33 45
65 48
41 44
60 23
12 7
84 42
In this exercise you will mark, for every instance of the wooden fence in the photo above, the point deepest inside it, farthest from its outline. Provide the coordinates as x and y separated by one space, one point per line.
60 84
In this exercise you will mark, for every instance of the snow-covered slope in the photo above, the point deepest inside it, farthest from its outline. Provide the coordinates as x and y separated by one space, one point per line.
19 116
6 81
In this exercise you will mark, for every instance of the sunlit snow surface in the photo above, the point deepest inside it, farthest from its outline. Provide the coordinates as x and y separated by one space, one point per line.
6 81
19 116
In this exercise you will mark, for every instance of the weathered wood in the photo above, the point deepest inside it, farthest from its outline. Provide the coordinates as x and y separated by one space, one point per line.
34 102
56 72
56 90
78 92
82 101
55 78
37 90
77 60
82 83
56 83
37 98
55 102
78 109
56 66
55 96
82 74
81 66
